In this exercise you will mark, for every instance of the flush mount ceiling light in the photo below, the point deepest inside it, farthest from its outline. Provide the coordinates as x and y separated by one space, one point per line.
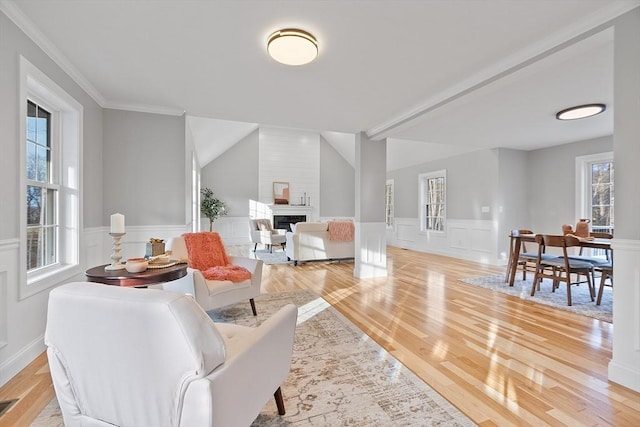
580 111
292 46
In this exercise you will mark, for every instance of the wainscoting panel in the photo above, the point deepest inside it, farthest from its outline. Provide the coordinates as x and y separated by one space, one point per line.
3 306
624 367
8 261
134 243
474 240
405 232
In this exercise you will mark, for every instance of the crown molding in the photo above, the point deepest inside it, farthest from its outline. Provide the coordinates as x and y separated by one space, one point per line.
9 8
143 108
13 12
590 25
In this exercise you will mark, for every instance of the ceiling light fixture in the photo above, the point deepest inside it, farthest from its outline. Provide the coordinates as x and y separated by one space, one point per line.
580 111
292 46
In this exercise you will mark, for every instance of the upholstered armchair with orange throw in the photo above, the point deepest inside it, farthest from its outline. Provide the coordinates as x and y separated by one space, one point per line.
218 279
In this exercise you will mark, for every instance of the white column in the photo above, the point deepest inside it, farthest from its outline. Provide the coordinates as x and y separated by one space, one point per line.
624 368
371 243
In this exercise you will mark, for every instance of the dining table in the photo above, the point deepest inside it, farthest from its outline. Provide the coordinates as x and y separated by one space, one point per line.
516 240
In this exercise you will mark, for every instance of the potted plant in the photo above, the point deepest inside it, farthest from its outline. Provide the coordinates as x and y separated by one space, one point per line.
210 206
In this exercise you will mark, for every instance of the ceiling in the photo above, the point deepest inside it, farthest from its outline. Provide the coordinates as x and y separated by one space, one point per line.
434 77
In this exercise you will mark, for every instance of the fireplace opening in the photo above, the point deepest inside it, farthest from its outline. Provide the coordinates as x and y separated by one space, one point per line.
283 221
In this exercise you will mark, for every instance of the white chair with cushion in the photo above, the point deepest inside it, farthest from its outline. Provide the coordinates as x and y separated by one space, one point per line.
146 357
212 294
263 233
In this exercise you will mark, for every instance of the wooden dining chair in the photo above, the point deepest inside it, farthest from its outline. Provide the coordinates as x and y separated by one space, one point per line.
526 260
606 272
561 268
526 257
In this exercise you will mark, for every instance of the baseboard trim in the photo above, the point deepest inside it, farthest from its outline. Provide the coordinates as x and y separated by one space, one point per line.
625 375
21 359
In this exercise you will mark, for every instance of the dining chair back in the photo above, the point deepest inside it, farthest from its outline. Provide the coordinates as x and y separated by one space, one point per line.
561 268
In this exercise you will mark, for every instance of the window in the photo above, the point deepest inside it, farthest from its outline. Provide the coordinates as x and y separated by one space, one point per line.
42 190
433 201
602 196
50 131
388 216
595 190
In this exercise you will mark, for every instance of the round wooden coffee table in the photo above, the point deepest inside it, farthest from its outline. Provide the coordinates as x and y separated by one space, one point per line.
148 277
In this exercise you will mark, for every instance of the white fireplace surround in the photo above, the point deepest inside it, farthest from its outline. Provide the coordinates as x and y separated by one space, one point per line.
289 210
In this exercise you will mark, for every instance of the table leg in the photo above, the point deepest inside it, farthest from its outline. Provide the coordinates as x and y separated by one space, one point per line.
514 261
507 273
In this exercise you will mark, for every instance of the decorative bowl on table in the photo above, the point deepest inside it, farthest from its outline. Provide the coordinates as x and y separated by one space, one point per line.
136 265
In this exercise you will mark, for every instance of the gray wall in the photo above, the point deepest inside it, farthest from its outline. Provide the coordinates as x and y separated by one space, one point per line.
150 148
471 183
22 322
13 42
337 183
627 124
512 198
552 183
233 176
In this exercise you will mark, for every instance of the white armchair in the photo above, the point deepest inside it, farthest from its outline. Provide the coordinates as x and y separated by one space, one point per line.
146 357
262 232
212 294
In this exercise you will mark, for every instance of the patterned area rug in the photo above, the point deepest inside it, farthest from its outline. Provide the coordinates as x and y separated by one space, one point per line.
580 299
339 376
278 256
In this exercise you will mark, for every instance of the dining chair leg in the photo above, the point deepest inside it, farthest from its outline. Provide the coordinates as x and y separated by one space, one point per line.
569 292
603 278
535 284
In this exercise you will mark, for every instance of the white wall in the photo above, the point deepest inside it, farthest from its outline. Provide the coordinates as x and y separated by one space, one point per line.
292 156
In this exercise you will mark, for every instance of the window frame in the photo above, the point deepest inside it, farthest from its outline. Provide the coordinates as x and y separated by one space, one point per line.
583 204
389 211
423 179
66 177
51 183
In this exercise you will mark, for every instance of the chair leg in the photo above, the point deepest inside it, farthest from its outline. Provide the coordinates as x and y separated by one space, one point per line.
253 306
592 287
279 401
255 247
569 292
603 278
535 284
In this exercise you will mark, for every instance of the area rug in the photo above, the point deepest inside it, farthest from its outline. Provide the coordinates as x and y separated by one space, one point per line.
580 299
276 257
339 376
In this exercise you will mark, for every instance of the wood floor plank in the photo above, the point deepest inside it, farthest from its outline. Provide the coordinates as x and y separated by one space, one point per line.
501 360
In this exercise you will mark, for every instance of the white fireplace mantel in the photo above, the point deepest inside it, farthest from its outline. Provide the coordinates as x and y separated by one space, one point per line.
291 210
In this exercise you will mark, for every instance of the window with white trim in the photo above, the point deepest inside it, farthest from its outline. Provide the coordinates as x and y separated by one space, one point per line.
50 208
42 190
388 197
433 201
595 190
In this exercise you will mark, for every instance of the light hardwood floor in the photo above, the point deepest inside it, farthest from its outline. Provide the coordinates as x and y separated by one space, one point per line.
501 360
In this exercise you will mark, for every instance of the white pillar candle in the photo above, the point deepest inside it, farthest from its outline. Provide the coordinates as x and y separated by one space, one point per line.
117 223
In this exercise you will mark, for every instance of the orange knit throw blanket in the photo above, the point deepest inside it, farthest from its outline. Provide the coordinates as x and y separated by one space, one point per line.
341 231
206 253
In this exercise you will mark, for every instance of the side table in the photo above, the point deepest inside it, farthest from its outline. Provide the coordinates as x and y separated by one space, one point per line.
143 279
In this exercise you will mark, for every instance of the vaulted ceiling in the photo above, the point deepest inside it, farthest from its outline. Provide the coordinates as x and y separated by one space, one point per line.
434 77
